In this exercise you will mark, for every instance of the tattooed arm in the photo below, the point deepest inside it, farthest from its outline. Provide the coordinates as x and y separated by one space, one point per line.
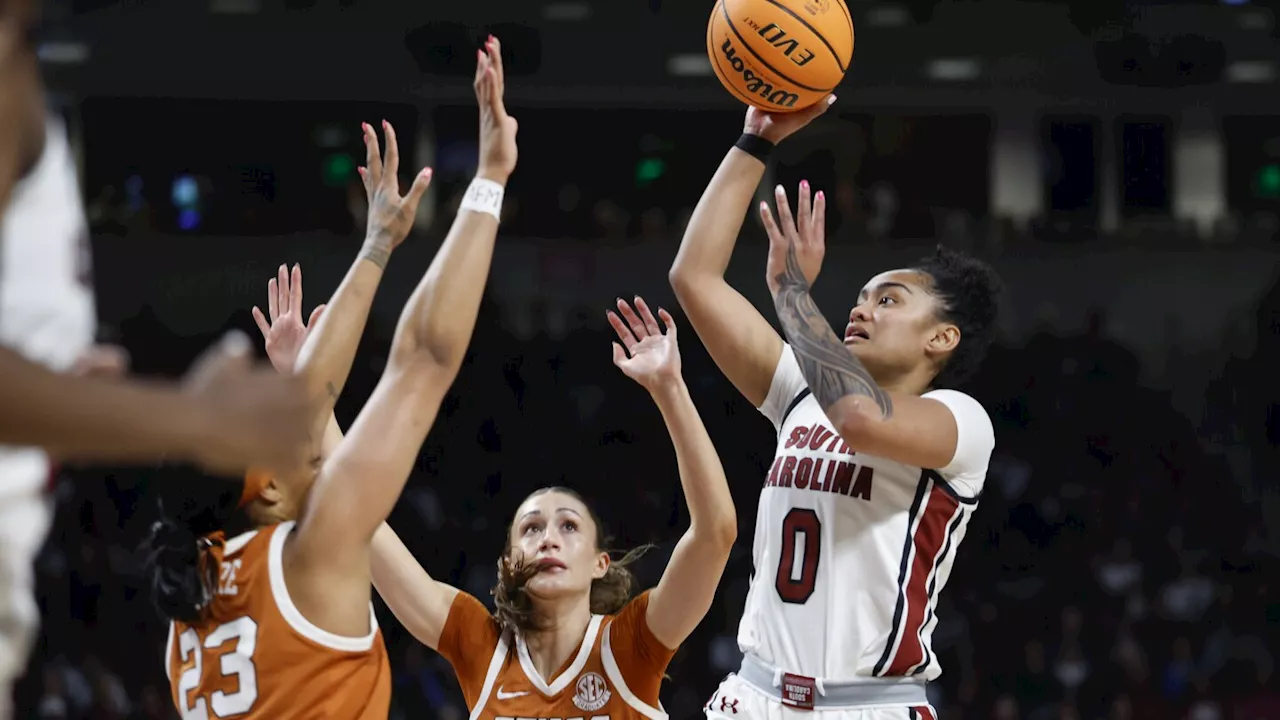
832 372
919 431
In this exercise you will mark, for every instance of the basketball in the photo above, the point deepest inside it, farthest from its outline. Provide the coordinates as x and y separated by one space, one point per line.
780 55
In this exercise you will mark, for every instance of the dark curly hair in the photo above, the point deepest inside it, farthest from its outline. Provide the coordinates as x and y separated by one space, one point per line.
195 512
609 594
968 291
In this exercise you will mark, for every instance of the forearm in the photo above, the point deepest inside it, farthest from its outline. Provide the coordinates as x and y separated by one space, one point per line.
717 220
706 490
839 381
84 418
440 316
325 359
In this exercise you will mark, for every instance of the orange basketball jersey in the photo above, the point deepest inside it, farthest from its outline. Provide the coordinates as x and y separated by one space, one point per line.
257 658
615 674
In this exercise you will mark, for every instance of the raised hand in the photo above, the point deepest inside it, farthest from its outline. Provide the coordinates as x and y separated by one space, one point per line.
498 149
390 214
651 357
285 332
796 248
776 127
256 417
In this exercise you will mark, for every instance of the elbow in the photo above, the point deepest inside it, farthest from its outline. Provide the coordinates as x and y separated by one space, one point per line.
428 359
855 426
720 532
678 276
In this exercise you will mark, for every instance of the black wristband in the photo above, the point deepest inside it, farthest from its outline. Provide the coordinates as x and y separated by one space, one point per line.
755 146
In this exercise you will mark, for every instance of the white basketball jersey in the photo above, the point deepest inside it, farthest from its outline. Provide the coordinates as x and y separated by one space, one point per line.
46 302
852 550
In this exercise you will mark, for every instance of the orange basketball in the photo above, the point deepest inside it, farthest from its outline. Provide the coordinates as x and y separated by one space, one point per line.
780 55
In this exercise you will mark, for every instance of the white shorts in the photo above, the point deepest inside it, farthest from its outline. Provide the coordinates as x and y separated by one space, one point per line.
737 699
24 523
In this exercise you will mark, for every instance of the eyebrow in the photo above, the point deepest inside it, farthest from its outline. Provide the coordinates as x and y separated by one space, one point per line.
539 512
885 286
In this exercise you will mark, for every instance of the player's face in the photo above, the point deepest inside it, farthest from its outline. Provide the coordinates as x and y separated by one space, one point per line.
895 324
556 532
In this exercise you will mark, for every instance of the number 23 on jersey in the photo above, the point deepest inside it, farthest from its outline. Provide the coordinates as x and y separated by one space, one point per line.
233 688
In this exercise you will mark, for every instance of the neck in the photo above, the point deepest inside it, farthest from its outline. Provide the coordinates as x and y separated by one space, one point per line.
915 381
564 625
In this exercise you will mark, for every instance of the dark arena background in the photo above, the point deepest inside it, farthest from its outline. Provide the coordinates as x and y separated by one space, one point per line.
1118 162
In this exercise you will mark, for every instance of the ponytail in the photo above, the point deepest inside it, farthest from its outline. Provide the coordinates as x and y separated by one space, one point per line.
178 551
182 572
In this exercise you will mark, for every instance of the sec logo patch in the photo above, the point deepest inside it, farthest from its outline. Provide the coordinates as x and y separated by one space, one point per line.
592 693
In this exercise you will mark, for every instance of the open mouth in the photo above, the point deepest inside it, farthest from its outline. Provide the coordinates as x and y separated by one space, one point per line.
855 333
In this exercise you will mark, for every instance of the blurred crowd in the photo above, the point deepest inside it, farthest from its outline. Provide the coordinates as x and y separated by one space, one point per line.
1118 567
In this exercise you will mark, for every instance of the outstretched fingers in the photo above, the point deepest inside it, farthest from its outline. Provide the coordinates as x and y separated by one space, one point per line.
624 333
785 219
391 160
263 326
668 323
633 321
646 316
372 157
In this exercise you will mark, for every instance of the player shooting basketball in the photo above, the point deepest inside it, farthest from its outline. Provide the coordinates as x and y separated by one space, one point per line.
276 622
878 466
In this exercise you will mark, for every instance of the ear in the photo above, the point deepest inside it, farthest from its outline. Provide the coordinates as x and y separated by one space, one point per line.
603 561
945 338
271 493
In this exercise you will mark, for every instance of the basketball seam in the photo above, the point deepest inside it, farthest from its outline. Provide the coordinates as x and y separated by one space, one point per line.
811 29
848 16
747 46
715 59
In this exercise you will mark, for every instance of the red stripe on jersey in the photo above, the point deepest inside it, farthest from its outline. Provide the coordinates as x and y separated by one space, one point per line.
930 533
924 712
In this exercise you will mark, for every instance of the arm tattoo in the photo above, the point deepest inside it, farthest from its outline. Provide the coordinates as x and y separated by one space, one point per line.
830 369
376 255
333 391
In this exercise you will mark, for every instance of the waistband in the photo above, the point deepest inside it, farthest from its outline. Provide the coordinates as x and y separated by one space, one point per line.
806 692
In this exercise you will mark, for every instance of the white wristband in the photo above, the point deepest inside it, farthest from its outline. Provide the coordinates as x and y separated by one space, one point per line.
484 196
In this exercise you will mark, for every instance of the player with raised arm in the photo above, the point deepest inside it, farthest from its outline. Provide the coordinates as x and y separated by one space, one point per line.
568 639
276 622
878 467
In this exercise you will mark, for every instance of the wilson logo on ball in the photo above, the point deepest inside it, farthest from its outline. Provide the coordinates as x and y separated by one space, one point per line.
753 83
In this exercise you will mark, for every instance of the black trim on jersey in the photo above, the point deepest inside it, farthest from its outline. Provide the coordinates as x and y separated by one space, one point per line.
915 714
929 594
946 487
925 476
794 402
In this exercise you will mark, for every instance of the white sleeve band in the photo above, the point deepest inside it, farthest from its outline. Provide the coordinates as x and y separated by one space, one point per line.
484 196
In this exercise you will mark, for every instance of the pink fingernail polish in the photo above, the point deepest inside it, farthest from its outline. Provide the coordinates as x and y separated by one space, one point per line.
804 184
820 195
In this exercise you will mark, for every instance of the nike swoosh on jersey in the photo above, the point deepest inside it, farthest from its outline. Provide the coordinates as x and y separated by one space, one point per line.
508 695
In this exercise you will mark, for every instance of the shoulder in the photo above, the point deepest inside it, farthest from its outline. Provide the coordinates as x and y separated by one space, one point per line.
629 634
786 389
975 440
469 631
633 658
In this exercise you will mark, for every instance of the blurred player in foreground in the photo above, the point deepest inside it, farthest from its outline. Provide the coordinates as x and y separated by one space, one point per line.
276 622
878 468
226 415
